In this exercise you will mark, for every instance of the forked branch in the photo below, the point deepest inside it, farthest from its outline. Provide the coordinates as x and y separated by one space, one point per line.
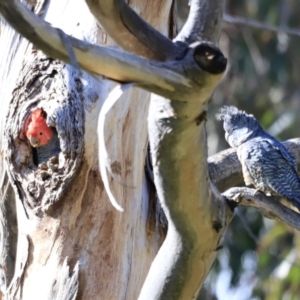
203 23
268 206
130 31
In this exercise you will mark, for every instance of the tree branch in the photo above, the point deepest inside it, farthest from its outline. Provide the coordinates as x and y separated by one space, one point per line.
197 217
130 31
259 25
225 169
196 212
268 206
112 63
203 23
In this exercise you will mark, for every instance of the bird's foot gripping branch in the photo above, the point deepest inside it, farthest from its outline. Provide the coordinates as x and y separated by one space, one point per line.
43 136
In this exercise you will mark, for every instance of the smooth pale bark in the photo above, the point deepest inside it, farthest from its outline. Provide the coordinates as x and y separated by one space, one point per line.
131 32
112 250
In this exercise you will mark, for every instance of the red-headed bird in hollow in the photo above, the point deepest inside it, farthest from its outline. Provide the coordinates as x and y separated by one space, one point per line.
43 138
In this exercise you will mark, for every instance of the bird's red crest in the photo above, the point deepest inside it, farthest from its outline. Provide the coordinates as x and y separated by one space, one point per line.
36 128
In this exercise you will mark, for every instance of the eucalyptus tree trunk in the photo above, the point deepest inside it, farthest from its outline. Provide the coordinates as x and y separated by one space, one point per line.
60 236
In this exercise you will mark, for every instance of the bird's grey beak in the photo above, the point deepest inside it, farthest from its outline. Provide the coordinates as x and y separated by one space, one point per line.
34 141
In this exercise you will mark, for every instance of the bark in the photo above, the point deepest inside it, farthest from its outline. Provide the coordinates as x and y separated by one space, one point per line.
70 241
131 32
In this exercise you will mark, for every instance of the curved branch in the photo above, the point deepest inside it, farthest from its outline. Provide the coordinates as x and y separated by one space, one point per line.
196 222
112 63
130 31
268 206
225 169
203 23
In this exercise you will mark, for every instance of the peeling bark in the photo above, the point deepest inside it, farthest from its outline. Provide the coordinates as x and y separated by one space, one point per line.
8 234
66 286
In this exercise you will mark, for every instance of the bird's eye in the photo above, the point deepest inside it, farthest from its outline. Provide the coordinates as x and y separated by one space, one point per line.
41 133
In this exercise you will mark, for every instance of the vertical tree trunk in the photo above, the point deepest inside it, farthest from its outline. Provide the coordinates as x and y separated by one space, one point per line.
69 240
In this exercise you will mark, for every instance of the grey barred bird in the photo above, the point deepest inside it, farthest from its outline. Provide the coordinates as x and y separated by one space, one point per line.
266 163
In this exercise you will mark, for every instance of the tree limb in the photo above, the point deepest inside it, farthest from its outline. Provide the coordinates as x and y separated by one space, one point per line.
203 23
196 215
195 222
112 63
259 25
130 31
225 169
268 206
